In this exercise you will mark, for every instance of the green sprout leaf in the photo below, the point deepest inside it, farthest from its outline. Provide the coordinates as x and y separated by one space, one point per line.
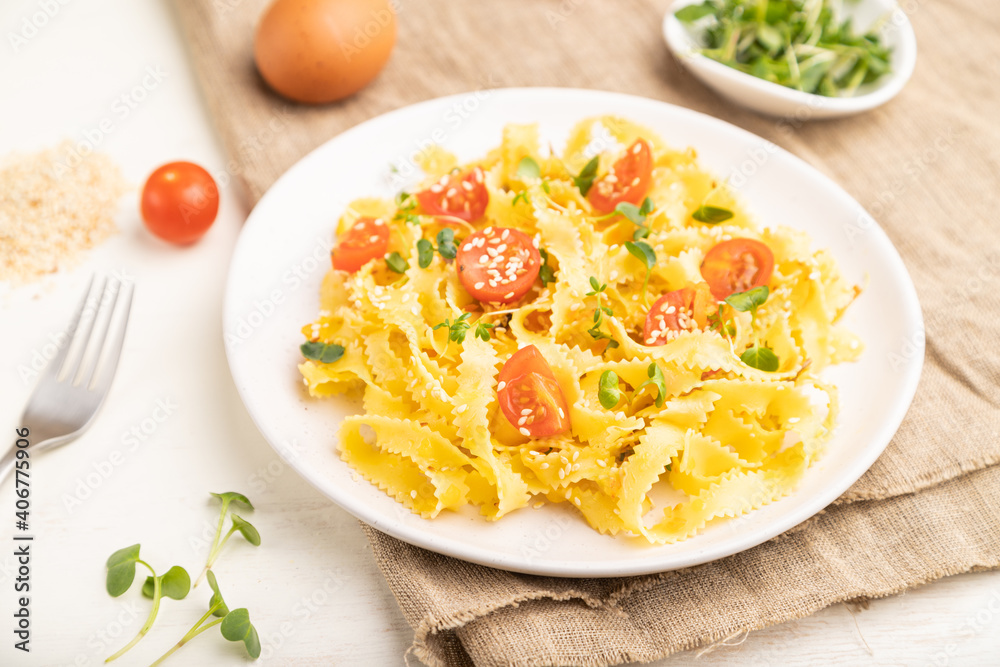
326 353
396 262
545 273
657 380
761 358
456 329
446 243
236 627
216 598
750 300
585 179
121 570
483 330
528 169
246 530
712 215
643 252
425 253
608 393
636 214
174 583
520 196
694 12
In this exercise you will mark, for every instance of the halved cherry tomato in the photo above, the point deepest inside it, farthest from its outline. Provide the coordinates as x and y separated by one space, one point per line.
179 202
627 181
685 309
737 265
530 397
459 195
498 264
368 239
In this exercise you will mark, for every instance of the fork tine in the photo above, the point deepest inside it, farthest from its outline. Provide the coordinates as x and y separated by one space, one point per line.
82 335
104 372
54 368
92 351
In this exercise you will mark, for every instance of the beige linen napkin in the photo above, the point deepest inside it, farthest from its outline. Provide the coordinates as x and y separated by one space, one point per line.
927 166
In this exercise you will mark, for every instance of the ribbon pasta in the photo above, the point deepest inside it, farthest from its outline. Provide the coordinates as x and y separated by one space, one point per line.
727 439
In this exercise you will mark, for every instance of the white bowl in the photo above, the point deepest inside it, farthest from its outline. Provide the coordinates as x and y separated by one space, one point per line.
776 100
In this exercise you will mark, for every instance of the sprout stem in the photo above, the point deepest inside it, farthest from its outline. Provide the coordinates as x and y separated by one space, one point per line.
149 621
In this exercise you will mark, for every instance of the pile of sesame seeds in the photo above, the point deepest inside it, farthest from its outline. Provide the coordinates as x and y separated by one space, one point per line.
685 322
52 209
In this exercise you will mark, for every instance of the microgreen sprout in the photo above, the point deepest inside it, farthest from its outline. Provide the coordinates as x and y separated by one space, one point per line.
546 274
240 525
456 329
761 358
483 330
586 177
644 253
396 262
406 205
235 625
657 380
528 169
608 393
597 290
326 353
637 215
175 583
445 245
521 196
711 215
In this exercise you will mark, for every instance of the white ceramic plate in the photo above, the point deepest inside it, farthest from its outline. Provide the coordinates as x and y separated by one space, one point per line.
776 100
282 255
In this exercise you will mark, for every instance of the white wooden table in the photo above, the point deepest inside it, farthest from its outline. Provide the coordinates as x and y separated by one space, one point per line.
180 430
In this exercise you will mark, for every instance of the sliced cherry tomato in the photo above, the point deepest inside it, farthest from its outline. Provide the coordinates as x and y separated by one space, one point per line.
737 265
458 195
498 264
628 180
685 309
368 239
179 202
530 397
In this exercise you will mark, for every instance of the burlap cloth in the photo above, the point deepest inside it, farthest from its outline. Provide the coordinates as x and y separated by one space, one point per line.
927 165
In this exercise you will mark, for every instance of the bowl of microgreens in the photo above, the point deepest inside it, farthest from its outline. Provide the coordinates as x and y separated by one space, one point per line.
795 58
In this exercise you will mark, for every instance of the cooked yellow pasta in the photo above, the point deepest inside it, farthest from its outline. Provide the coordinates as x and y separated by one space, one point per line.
716 406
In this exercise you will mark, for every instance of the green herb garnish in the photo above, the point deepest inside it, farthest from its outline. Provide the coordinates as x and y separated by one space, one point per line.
597 290
520 196
545 273
800 44
483 330
657 380
456 329
396 262
585 179
326 353
235 625
711 215
175 583
608 393
445 245
644 253
757 356
242 526
406 205
528 169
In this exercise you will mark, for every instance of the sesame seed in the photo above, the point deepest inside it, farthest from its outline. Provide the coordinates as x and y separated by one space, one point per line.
544 466
460 409
480 285
436 188
562 415
526 411
508 295
562 473
501 385
521 421
601 463
524 431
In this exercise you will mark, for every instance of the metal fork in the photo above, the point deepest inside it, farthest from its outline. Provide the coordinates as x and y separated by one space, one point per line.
73 386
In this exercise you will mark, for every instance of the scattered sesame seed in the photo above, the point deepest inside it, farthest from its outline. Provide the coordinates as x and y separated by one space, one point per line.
524 431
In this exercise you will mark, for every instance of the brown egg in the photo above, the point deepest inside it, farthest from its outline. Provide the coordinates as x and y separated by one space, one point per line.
318 51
